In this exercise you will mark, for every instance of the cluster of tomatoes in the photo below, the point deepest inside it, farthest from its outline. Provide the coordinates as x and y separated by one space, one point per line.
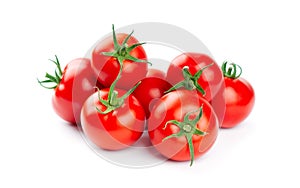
115 98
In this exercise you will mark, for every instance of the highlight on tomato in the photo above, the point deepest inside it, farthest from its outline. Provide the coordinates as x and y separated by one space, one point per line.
152 72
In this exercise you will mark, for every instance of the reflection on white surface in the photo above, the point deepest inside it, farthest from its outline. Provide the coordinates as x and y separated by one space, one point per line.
141 155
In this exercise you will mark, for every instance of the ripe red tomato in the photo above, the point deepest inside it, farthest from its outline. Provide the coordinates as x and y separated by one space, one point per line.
156 73
210 80
117 129
107 67
199 126
149 91
239 96
72 87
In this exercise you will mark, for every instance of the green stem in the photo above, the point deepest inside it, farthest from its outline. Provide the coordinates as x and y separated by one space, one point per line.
53 80
231 72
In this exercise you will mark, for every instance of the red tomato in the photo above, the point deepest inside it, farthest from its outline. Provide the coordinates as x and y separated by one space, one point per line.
181 106
72 87
156 73
107 68
149 91
117 129
239 97
210 80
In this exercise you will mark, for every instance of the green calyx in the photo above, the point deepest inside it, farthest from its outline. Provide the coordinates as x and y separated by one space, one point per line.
113 100
53 80
187 129
190 81
122 52
232 71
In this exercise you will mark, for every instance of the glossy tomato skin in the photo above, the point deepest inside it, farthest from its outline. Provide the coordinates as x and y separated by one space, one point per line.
210 80
152 72
239 98
76 85
218 103
106 68
116 130
149 91
173 106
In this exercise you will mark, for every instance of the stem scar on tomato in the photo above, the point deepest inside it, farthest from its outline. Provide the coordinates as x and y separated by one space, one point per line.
190 81
188 129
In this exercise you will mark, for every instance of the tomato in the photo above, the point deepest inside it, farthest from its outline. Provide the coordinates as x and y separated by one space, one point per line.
117 129
239 97
182 125
156 73
208 81
111 51
72 87
149 91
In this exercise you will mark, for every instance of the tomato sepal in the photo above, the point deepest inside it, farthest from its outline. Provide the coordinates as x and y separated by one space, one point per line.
113 101
190 81
122 52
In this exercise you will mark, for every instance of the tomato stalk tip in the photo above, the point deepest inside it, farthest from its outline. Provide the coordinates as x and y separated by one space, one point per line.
231 72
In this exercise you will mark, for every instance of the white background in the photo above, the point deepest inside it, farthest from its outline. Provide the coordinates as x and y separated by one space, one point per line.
40 150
